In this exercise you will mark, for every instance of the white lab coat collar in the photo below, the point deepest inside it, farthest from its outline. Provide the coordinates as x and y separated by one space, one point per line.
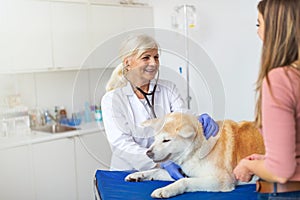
127 90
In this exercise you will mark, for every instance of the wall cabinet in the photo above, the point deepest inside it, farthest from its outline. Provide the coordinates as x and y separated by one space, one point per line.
70 34
103 27
25 35
41 35
108 33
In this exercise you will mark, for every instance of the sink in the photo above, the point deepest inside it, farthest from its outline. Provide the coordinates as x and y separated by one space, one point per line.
55 128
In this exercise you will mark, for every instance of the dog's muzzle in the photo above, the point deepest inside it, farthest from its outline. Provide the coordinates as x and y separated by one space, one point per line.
150 154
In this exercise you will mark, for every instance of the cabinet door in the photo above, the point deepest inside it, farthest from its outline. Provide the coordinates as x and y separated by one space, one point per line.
70 36
16 174
54 166
108 25
137 17
5 48
106 21
92 153
28 35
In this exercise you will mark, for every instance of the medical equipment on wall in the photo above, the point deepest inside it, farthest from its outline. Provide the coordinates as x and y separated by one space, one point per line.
183 18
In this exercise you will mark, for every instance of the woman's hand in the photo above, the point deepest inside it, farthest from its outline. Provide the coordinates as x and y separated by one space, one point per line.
256 157
241 172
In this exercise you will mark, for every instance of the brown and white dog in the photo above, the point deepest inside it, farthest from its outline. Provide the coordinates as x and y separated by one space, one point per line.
208 164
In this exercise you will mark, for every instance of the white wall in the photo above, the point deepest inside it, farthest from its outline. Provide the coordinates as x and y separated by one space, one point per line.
226 31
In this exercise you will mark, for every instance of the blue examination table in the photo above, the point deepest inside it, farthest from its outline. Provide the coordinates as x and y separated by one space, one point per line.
110 185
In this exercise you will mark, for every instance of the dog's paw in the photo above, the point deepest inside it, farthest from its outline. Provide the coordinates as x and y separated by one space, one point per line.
162 193
135 177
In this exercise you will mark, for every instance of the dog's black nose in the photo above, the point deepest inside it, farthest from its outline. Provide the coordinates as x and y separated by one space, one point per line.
150 154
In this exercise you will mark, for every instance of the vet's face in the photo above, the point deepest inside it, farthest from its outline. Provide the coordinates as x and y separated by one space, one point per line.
142 69
172 140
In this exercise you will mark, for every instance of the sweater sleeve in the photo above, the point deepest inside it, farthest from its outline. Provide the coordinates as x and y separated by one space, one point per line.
278 124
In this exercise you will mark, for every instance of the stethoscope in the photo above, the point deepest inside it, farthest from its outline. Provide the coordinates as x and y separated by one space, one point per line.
145 94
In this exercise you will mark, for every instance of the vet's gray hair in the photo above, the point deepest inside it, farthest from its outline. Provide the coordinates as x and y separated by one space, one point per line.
132 46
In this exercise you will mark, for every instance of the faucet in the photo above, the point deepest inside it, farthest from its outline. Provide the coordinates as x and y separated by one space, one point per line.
55 119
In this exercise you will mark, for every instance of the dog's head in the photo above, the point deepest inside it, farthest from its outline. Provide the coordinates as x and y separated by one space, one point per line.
175 134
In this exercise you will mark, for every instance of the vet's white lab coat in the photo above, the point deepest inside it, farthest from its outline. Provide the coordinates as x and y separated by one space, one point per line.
123 113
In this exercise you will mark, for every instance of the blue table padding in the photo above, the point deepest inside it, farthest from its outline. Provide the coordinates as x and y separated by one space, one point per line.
111 186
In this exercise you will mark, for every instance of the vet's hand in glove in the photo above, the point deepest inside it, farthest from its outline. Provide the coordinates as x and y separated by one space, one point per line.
173 169
210 127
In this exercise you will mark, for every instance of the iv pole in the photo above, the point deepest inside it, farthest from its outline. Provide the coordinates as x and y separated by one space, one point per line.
186 26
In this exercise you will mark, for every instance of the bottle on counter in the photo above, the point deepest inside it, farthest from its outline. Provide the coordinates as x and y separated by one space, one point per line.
63 115
98 114
48 119
36 117
87 112
93 109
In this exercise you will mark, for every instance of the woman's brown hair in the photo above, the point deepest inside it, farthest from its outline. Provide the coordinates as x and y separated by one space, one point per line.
281 40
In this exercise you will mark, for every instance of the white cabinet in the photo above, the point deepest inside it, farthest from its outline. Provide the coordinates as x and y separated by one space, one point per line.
25 35
136 17
38 35
104 27
92 153
60 169
5 47
16 174
108 27
54 170
70 33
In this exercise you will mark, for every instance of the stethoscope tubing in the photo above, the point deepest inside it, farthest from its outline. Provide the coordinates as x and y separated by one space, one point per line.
145 94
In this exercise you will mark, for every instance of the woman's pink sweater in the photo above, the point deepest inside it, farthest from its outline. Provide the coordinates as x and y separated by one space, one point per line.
281 122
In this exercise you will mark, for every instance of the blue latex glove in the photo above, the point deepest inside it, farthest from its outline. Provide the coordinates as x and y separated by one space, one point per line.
210 127
173 169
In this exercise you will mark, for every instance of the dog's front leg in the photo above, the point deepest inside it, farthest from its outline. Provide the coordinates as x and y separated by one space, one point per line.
153 174
171 190
189 185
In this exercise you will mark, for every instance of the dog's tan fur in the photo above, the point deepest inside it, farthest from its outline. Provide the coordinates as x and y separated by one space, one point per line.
207 163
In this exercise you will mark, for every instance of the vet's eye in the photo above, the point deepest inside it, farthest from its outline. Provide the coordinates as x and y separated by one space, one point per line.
165 140
145 58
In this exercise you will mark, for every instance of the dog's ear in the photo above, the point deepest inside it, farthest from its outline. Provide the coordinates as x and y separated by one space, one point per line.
187 132
156 123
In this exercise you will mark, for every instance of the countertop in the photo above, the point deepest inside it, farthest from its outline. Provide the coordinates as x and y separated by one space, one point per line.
33 137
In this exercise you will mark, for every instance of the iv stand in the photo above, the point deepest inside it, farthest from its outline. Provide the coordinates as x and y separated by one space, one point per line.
186 25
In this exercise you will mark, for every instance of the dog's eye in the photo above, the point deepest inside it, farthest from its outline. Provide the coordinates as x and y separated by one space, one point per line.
165 140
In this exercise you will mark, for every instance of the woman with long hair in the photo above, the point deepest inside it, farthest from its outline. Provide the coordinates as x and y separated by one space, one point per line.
278 103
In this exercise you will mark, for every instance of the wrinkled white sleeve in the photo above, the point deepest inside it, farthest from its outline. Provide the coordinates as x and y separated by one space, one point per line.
177 103
119 133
